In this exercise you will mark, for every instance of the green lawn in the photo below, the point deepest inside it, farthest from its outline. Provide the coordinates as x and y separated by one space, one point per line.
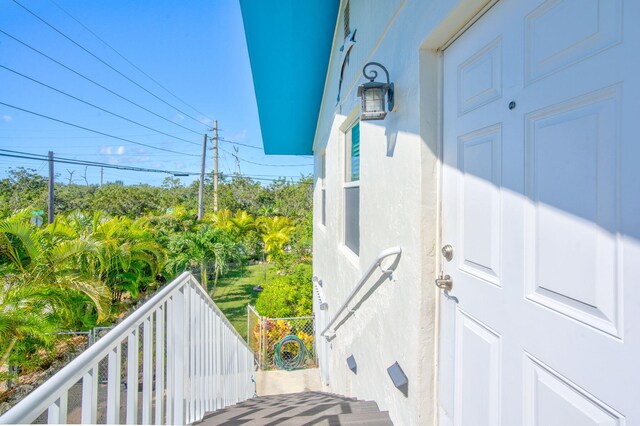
235 290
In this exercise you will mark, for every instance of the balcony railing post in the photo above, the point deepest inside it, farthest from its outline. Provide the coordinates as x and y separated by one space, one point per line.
147 377
170 401
90 396
160 353
57 412
179 326
236 371
113 384
132 377
219 382
191 314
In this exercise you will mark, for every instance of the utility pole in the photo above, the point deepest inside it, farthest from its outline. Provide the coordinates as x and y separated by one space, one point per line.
201 187
51 180
101 175
215 165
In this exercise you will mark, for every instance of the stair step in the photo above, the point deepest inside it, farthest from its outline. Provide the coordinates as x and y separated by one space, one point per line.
306 408
369 419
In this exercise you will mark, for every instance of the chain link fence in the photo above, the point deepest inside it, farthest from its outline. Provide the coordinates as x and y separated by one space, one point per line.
66 342
281 343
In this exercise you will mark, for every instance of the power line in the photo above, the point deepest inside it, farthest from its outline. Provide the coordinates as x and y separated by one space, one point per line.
95 82
70 137
238 143
106 63
93 105
40 157
263 164
127 60
95 131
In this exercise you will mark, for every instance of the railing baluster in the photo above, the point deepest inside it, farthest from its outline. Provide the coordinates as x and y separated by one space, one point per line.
190 354
226 365
179 328
195 329
171 363
218 349
89 396
147 372
160 312
223 363
132 377
211 361
113 385
57 412
201 354
208 358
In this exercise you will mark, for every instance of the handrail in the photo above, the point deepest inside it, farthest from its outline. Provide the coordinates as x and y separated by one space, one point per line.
182 336
377 263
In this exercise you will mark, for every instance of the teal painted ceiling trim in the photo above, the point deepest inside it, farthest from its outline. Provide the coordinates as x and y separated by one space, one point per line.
289 44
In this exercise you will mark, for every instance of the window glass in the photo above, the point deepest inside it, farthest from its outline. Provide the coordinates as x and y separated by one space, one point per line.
352 145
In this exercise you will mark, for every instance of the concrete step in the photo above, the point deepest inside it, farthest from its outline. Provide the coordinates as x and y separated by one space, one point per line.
306 408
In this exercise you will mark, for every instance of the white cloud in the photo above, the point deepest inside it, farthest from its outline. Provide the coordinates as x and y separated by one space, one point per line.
112 150
7 118
179 117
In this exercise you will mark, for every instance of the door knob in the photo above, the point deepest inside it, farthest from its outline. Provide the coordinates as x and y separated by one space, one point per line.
447 252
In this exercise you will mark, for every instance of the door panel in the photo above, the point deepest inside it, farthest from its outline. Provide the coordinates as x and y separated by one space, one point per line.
584 284
478 360
480 160
541 202
552 400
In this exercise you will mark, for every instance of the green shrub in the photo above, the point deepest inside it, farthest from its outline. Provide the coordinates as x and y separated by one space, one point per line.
288 295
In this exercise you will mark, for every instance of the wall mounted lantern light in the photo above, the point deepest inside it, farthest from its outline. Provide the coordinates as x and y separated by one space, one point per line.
373 94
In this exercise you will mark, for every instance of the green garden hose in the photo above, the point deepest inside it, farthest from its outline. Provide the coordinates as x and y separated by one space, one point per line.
285 359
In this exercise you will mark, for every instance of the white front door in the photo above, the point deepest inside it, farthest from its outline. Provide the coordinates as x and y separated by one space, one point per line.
541 205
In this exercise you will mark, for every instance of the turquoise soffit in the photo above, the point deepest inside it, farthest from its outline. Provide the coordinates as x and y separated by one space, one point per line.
289 44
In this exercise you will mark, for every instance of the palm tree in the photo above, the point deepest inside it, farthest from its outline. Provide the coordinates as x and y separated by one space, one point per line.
275 233
203 246
129 255
222 219
243 222
40 272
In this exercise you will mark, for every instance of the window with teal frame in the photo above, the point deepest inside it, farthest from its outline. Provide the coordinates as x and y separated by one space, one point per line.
353 153
352 189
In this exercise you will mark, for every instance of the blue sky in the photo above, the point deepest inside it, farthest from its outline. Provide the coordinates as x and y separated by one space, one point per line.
195 48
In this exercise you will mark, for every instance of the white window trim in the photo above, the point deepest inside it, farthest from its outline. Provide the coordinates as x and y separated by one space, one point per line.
347 124
322 178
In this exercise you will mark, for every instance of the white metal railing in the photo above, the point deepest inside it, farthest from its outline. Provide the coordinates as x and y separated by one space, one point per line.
182 359
338 319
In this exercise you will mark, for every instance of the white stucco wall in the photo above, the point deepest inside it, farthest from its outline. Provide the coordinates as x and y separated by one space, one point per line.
398 203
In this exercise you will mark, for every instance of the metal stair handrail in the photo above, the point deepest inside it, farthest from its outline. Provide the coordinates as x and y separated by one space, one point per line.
330 331
193 362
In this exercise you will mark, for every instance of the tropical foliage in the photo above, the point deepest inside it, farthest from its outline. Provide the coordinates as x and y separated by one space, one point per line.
109 246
